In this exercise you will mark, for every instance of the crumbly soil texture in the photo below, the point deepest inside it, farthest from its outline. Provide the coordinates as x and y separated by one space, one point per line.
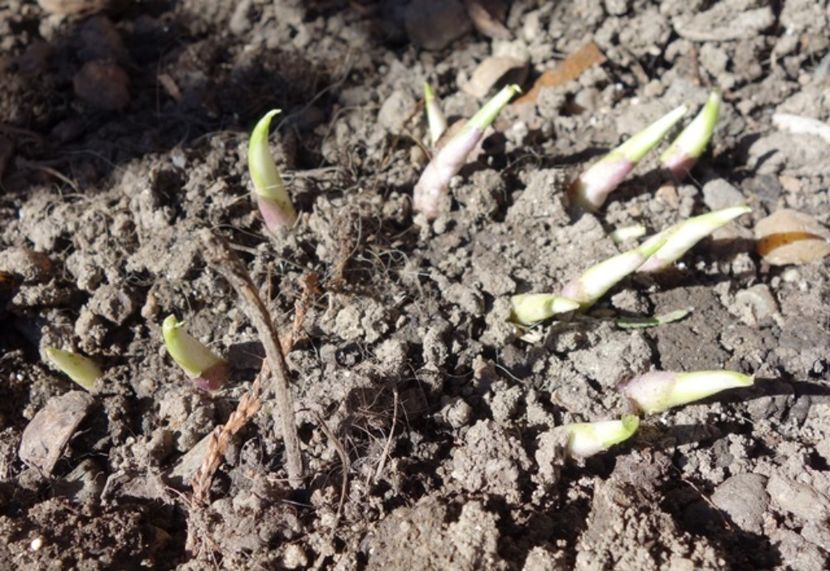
425 419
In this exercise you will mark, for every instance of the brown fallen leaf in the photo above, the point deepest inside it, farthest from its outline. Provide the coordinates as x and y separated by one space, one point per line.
48 432
495 70
790 237
487 17
568 69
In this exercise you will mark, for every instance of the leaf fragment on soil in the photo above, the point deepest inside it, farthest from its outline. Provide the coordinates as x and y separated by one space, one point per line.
568 69
644 322
49 431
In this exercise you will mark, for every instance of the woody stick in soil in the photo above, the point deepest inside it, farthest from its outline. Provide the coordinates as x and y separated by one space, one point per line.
217 252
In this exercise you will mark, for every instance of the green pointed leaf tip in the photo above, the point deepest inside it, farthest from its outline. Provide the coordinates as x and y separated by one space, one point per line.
658 391
683 236
82 370
588 438
488 113
636 147
262 168
595 282
435 117
529 308
190 354
692 141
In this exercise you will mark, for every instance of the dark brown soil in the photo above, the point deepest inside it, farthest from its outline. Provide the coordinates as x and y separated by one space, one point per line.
124 133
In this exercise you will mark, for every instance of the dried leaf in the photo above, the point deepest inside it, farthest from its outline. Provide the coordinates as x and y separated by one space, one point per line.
791 237
568 69
495 70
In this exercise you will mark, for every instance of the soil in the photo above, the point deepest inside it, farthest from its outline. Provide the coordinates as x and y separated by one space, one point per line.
425 421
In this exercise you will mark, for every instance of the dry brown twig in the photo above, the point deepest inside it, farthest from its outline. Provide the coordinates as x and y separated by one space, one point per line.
218 253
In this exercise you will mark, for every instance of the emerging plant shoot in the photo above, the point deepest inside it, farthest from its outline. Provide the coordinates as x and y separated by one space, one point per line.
83 370
681 237
597 280
448 160
593 186
528 308
661 390
208 371
271 196
435 117
588 438
683 153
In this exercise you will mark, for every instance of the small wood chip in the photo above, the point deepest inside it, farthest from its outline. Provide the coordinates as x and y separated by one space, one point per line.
49 431
568 69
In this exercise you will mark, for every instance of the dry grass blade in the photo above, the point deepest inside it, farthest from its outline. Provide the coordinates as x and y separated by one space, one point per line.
218 253
344 459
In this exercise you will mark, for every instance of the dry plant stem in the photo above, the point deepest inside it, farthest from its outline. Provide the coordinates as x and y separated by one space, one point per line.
218 253
344 459
248 406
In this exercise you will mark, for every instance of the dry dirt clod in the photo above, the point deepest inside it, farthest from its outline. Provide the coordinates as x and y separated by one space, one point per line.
790 237
434 24
104 85
488 17
52 427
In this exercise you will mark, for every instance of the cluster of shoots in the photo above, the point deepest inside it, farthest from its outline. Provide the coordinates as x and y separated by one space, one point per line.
656 253
652 393
592 188
432 187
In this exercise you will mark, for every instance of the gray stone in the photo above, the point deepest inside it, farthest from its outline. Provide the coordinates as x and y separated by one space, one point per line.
801 500
718 194
745 499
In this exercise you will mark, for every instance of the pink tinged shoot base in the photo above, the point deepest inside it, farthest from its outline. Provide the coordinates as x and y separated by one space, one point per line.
595 282
684 151
589 438
448 160
435 117
208 371
661 390
271 197
530 308
681 237
82 370
593 186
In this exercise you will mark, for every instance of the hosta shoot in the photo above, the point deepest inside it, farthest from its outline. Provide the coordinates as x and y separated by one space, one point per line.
681 237
683 153
82 370
593 186
661 390
269 190
435 117
530 308
208 371
588 288
589 438
448 160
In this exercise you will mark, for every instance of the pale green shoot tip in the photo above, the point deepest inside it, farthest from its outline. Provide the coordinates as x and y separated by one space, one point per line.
638 146
529 308
488 113
272 198
82 370
658 391
435 117
588 438
200 363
